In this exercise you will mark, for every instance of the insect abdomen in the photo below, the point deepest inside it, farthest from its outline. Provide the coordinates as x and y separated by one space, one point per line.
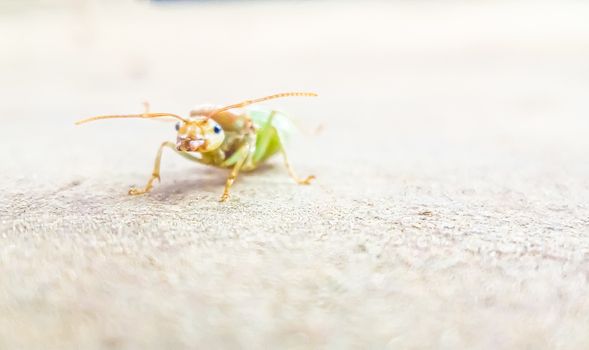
269 137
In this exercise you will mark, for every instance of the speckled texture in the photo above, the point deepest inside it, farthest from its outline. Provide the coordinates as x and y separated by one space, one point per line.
451 208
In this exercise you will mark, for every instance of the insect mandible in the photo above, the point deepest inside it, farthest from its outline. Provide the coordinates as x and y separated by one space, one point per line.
224 137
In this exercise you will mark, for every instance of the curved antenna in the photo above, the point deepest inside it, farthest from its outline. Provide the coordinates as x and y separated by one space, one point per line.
249 102
144 115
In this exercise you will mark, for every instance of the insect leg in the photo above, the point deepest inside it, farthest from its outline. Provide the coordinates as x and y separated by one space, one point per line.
155 175
243 152
266 133
291 172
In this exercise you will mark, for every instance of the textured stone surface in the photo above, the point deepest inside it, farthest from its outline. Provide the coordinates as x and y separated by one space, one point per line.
451 208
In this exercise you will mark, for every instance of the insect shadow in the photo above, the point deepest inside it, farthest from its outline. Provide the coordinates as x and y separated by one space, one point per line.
204 182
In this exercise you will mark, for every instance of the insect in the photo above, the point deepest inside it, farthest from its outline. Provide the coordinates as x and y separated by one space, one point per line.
225 137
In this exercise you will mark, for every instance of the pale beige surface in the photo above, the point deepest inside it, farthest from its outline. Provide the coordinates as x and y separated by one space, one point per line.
475 113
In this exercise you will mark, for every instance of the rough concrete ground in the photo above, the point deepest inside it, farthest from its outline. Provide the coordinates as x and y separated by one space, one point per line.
451 208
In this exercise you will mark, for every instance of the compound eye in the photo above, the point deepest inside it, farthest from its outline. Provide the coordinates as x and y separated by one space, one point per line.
217 129
177 126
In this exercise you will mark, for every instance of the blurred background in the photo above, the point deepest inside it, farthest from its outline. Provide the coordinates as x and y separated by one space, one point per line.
487 74
450 209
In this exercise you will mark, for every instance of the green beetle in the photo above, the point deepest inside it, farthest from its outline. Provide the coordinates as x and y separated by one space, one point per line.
225 137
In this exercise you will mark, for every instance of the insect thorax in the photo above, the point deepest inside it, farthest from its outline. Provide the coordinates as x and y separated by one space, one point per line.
203 110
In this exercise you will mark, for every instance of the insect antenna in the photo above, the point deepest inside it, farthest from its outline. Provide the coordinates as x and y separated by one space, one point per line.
122 116
249 102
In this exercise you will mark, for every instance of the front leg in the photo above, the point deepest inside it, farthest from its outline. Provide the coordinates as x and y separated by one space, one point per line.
241 156
155 175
